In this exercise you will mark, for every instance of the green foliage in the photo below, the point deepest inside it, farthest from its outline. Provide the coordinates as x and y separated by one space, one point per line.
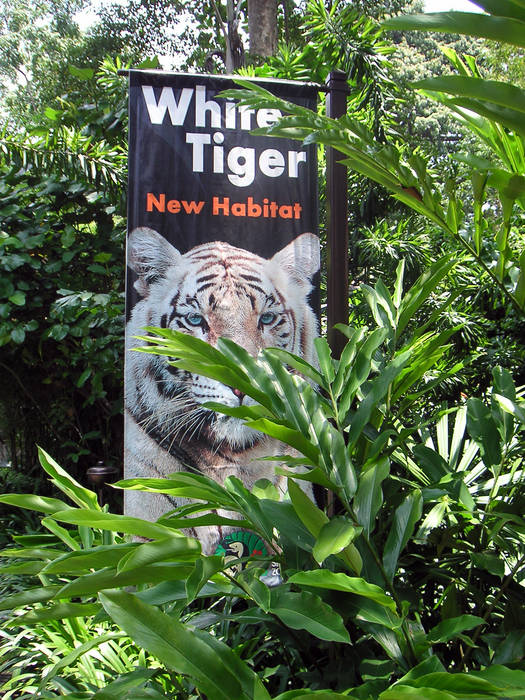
411 180
61 294
409 584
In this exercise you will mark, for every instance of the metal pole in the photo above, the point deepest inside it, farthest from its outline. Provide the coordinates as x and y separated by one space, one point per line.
337 234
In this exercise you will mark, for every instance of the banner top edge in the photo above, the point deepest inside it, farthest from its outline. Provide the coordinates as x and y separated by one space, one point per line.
253 79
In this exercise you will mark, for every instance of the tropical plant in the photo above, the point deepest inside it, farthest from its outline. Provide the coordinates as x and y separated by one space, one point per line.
407 584
491 232
61 288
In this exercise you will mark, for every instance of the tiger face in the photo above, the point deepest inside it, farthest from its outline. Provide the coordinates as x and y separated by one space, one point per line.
214 290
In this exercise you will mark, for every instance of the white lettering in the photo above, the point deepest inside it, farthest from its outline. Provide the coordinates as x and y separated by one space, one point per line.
201 107
230 119
267 117
271 163
246 117
241 161
198 141
294 158
157 110
218 153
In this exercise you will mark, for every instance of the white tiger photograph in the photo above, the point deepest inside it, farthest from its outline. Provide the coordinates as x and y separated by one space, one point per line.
214 290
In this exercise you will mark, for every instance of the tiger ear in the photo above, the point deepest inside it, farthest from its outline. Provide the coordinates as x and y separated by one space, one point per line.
149 255
300 258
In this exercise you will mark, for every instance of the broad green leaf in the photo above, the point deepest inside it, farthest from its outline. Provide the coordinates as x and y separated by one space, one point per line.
288 524
346 361
27 568
121 687
360 369
430 665
432 463
519 291
369 611
307 611
315 475
484 431
62 534
504 8
451 628
405 519
369 496
407 692
159 550
298 364
317 694
28 597
325 359
398 290
249 505
442 436
489 561
456 444
310 515
287 435
323 578
80 561
31 501
352 558
109 578
432 520
503 677
116 523
205 568
503 94
503 116
202 521
18 298
170 591
184 484
263 488
257 590
214 668
457 683
377 390
514 409
78 494
32 553
60 611
421 290
503 386
334 536
387 639
504 29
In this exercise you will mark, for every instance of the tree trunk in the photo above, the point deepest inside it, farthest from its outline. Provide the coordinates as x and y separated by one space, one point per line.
262 27
234 47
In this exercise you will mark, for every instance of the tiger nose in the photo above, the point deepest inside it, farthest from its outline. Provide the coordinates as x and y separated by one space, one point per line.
239 394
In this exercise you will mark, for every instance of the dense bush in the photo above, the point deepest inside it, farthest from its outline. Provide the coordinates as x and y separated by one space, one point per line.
409 586
62 281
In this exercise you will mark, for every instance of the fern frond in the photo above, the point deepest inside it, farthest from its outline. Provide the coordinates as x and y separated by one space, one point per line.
65 151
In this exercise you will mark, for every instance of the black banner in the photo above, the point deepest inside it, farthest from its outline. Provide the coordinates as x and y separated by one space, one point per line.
222 240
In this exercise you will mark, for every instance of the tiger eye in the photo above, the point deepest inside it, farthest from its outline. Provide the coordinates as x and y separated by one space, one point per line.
195 319
267 317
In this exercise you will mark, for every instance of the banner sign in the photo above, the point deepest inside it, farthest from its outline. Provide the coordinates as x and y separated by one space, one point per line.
222 241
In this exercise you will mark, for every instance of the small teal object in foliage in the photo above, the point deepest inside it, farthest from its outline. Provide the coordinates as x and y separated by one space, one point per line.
241 544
